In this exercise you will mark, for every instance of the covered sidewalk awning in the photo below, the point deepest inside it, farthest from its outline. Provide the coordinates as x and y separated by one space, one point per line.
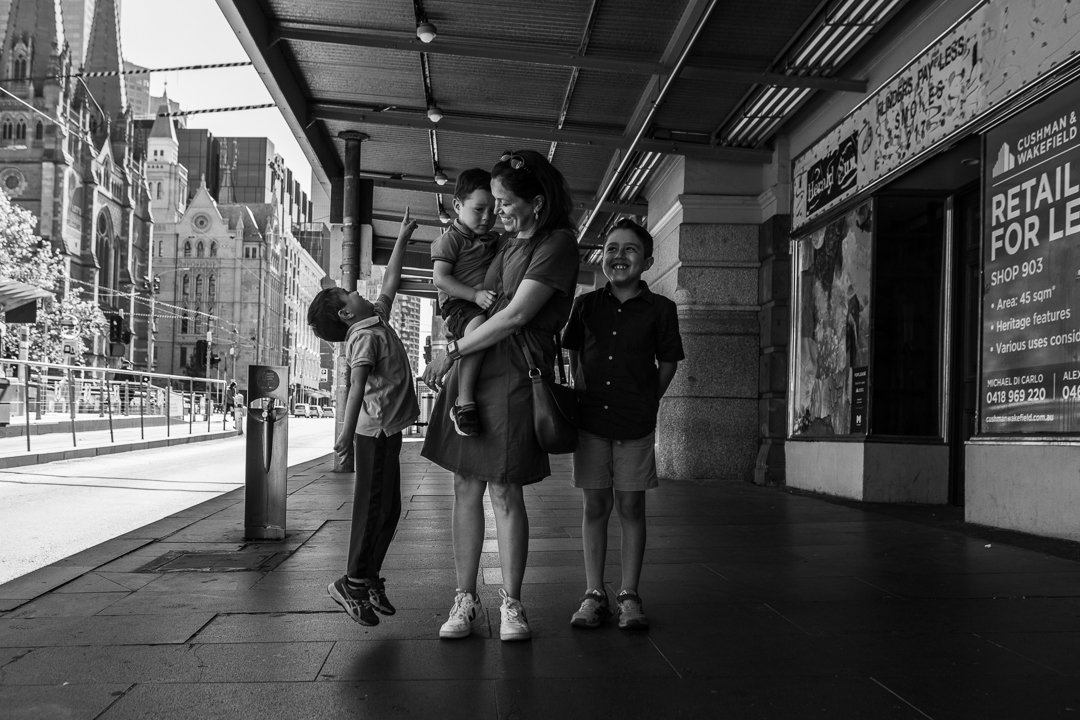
14 294
604 89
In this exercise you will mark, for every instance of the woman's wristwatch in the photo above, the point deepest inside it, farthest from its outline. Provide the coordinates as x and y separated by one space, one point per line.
452 351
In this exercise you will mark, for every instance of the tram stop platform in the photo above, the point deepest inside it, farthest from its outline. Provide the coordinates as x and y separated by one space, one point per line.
764 603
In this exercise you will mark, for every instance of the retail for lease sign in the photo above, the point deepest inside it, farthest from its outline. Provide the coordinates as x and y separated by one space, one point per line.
997 49
1030 380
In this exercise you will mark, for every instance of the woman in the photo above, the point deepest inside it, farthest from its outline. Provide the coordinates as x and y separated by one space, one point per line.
534 275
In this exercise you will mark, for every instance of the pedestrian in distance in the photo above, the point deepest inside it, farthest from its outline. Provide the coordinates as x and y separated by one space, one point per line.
624 348
381 404
460 258
534 276
238 409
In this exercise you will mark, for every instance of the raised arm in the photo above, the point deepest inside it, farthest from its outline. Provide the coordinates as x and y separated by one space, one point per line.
392 276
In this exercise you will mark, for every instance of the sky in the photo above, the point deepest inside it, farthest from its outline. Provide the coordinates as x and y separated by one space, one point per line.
167 33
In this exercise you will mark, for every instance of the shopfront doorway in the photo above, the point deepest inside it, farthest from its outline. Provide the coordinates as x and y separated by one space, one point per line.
944 194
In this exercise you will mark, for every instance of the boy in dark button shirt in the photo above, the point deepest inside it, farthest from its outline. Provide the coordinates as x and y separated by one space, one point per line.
624 348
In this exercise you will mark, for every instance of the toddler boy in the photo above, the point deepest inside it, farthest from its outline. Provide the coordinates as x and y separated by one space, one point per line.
624 349
381 403
460 259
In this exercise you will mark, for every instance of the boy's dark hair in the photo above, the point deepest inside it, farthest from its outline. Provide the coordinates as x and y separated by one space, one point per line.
322 315
471 180
536 176
641 233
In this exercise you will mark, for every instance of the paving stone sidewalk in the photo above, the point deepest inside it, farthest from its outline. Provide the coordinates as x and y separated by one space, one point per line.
764 604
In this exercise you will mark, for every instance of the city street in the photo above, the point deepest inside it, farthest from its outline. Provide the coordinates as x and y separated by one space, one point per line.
50 511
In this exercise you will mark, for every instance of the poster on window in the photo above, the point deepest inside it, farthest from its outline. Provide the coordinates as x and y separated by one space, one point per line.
832 326
1030 380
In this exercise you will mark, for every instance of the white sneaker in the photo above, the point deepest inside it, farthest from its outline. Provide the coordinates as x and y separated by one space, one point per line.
514 625
465 611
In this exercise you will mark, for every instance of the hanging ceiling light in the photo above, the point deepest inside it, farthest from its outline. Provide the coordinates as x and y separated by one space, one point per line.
440 177
434 113
425 31
444 217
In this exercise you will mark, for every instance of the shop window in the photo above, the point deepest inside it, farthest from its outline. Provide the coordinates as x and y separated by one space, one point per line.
832 325
907 365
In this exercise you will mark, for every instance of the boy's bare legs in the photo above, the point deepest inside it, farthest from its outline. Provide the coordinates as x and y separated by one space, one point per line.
468 530
631 506
469 368
594 526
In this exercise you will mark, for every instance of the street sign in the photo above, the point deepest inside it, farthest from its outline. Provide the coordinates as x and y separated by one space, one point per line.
68 328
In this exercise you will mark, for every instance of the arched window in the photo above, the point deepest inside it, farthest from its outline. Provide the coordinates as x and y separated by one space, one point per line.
7 129
108 254
198 287
20 69
184 323
158 191
185 285
213 249
211 287
187 248
20 129
39 131
200 249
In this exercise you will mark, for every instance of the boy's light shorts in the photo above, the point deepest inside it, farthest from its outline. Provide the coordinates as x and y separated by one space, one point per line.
626 465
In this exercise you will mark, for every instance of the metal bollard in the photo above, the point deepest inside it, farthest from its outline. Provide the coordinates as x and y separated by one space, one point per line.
267 452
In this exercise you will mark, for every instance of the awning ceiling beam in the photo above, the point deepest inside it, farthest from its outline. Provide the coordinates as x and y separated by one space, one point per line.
711 70
526 131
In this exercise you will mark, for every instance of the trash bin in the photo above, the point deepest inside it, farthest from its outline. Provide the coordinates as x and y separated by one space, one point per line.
267 452
5 408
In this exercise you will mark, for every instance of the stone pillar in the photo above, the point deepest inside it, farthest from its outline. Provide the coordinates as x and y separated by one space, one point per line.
706 229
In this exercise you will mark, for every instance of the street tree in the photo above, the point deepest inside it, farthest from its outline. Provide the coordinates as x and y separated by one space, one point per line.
25 257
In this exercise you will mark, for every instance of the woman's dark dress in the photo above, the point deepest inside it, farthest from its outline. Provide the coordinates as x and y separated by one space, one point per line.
506 450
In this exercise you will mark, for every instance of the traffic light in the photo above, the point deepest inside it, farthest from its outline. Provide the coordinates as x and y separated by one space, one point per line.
116 329
215 359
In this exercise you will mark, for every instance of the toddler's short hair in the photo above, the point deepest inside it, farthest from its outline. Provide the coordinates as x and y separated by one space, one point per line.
470 180
641 233
322 315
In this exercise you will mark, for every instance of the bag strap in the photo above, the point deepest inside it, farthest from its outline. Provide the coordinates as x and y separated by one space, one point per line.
534 371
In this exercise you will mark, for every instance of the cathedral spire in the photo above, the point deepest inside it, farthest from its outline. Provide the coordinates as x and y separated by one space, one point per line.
103 55
33 40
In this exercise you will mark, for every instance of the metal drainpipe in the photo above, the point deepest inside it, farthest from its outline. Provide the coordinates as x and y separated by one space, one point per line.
675 70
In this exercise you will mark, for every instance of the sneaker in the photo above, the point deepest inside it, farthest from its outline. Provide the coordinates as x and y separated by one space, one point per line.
377 597
514 624
631 615
593 611
465 611
466 419
354 602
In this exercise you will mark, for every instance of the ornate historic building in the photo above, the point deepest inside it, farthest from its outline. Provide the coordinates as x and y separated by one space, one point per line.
67 155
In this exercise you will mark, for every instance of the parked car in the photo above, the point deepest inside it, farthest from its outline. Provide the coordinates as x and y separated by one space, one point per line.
326 411
301 410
